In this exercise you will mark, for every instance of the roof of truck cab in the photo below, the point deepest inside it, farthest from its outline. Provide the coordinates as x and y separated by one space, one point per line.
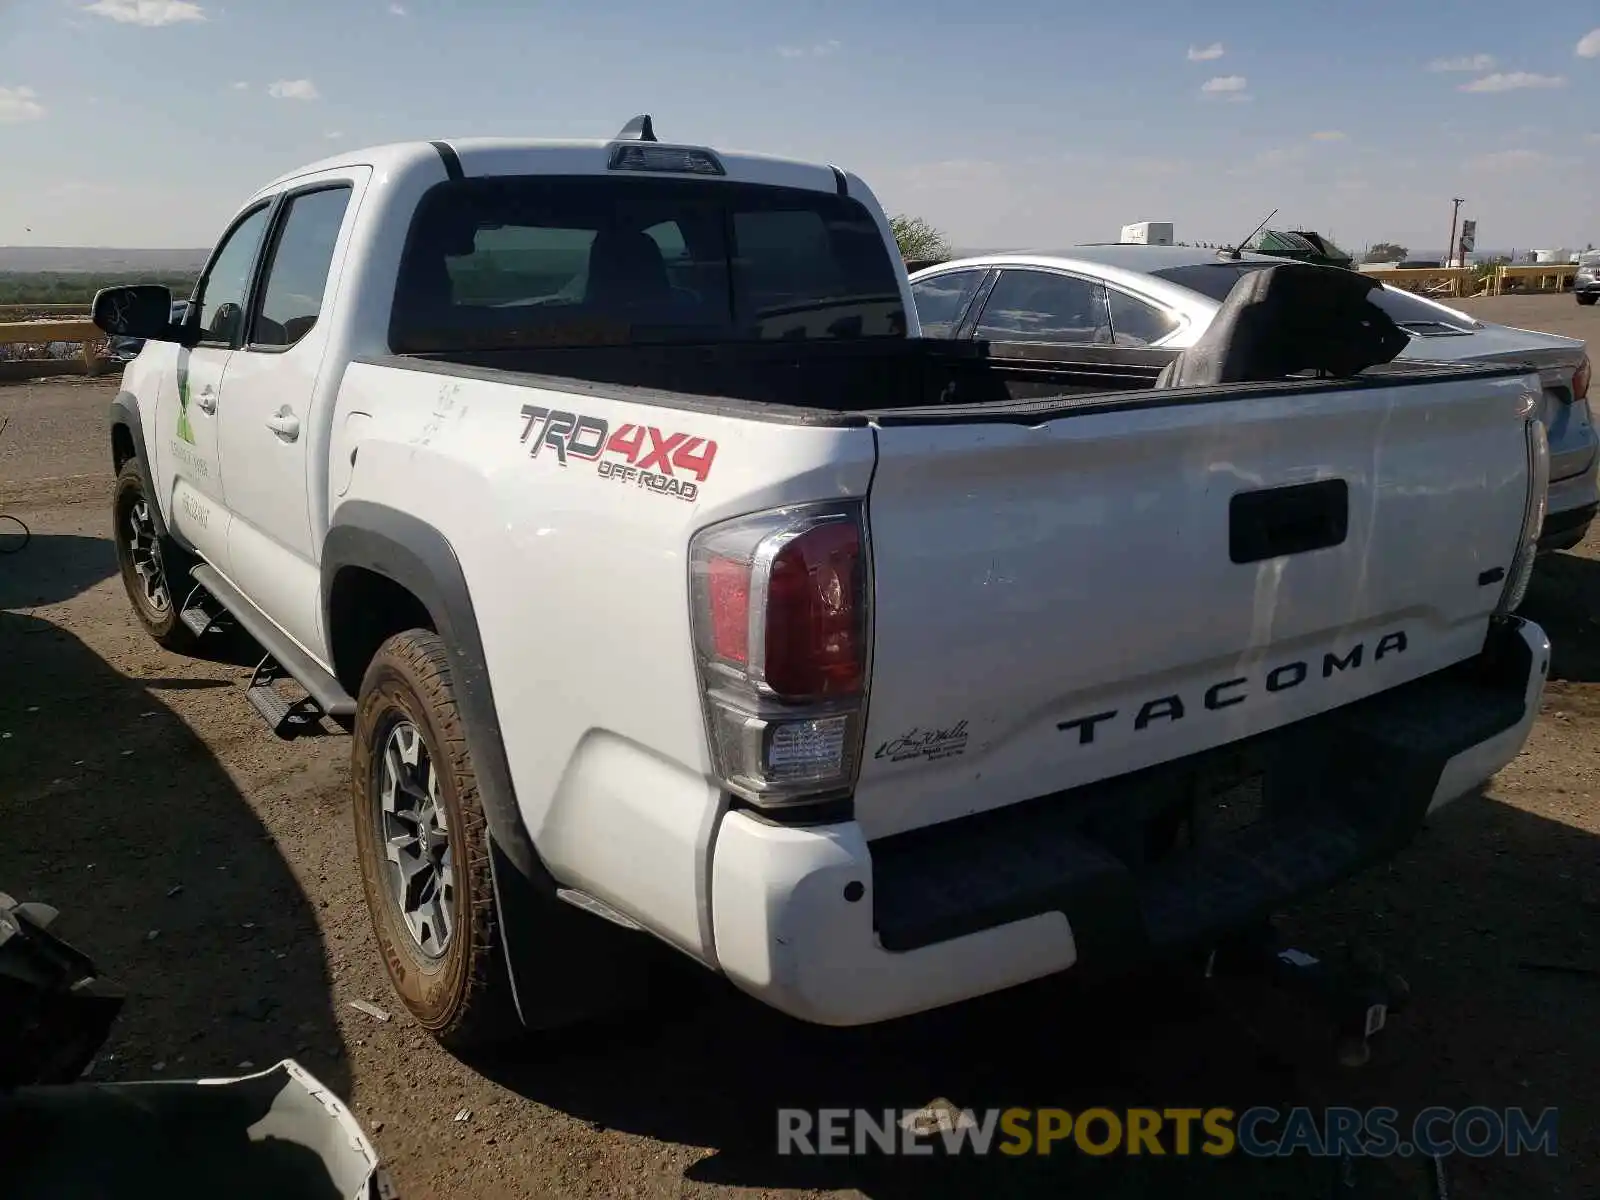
492 155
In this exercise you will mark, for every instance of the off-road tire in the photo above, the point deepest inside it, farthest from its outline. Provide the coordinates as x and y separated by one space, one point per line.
463 998
175 563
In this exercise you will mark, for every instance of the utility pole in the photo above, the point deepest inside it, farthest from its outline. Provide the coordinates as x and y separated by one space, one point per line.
1455 212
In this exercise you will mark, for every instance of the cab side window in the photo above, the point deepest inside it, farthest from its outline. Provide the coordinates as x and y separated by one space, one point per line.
221 292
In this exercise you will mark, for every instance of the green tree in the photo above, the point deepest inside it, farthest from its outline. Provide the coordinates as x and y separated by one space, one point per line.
1383 252
918 239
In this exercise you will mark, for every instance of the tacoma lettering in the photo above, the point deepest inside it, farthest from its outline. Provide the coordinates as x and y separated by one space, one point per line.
1229 692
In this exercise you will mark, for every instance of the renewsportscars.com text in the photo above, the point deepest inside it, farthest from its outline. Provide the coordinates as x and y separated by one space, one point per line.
1260 1132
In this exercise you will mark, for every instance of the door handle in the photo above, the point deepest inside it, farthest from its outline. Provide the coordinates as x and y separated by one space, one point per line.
285 424
207 399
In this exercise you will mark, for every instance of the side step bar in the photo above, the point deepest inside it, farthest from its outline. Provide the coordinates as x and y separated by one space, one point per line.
282 657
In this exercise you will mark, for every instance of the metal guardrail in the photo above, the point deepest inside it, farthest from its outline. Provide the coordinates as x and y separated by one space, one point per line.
19 312
80 329
76 330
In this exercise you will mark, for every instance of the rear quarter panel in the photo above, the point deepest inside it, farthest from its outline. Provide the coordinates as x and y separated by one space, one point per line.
578 575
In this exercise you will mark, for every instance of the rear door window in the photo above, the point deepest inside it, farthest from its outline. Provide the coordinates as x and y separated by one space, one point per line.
1136 323
942 299
1044 306
301 260
542 260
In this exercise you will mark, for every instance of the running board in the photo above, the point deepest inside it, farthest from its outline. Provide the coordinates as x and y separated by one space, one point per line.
282 657
287 717
197 616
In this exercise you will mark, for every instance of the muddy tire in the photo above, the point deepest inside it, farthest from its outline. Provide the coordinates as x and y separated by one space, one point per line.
155 569
423 845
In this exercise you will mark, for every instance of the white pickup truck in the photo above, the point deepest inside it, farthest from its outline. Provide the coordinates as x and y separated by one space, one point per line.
672 586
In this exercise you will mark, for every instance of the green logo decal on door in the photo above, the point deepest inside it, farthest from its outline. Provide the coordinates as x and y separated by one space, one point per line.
185 430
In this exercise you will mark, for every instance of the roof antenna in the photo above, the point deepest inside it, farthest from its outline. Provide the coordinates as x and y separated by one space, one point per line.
640 129
1233 251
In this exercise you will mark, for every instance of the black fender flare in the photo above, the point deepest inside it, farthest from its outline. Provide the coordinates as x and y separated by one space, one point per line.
124 411
420 559
535 925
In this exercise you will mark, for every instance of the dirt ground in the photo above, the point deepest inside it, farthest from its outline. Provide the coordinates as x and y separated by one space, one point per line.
209 868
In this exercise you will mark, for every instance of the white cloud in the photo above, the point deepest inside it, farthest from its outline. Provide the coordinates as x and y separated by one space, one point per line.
1592 138
333 135
1466 62
1329 135
19 104
293 89
241 86
1589 44
397 10
1506 160
1226 87
1205 53
1514 81
151 13
820 50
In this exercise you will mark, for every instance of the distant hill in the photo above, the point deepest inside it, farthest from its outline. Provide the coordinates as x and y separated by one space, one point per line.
102 260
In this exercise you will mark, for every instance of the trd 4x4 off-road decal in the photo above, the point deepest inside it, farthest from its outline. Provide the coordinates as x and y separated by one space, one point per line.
668 464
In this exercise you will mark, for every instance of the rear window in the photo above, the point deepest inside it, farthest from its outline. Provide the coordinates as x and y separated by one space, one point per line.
1216 280
565 261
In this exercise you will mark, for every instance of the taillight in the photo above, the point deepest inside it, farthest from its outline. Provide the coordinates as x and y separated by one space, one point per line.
781 626
1580 381
1521 573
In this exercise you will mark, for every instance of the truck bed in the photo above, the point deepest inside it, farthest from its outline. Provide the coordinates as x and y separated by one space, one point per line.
915 378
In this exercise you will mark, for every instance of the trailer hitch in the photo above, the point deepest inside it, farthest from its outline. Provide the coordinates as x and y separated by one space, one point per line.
1352 992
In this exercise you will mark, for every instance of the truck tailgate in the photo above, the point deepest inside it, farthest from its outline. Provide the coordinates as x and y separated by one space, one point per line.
1073 595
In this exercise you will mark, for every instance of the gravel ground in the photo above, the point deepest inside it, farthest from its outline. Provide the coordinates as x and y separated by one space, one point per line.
209 869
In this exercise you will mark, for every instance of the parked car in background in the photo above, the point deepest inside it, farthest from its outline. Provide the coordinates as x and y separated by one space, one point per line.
1586 283
1164 297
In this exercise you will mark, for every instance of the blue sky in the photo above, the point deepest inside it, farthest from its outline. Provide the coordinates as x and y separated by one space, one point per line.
145 122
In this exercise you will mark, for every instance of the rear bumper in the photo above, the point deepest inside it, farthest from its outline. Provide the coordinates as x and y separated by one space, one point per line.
1571 509
1564 530
822 925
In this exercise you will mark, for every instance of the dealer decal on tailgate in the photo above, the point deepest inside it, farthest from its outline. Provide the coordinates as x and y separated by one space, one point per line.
669 464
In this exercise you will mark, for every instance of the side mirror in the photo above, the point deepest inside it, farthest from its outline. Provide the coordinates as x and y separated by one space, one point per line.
144 310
